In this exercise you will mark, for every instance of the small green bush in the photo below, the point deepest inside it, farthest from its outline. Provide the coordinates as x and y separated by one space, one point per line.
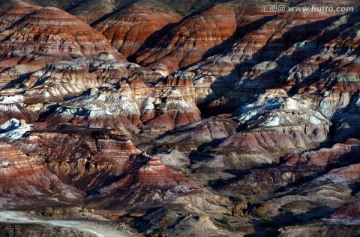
47 211
253 200
269 223
240 198
224 220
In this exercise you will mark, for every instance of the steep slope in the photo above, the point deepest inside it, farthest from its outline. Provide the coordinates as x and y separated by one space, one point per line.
153 184
197 35
93 156
129 28
105 167
59 80
25 176
254 83
99 9
348 213
38 36
258 60
296 167
264 112
101 93
160 107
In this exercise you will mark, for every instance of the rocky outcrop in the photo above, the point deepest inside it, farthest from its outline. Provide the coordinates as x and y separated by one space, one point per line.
109 93
190 39
268 129
302 166
152 183
13 110
136 26
103 109
349 212
347 119
324 229
25 176
36 36
92 157
264 110
13 129
177 108
59 80
259 147
272 55
163 106
339 153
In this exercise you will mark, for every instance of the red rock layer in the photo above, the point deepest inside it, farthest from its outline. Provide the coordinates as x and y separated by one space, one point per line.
26 176
150 185
115 149
338 153
349 174
166 105
128 29
106 165
155 174
72 78
261 146
12 12
84 159
178 107
46 35
190 39
265 56
349 212
297 166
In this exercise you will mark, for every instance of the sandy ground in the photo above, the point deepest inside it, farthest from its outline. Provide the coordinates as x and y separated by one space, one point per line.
85 226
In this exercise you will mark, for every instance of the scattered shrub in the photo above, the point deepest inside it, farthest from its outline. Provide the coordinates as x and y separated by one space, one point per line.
253 200
47 211
269 223
240 198
224 220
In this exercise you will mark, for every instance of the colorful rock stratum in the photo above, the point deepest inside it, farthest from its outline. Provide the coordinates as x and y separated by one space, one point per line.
179 118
